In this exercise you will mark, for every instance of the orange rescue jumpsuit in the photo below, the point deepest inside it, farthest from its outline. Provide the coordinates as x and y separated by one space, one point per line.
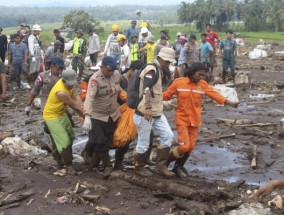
188 112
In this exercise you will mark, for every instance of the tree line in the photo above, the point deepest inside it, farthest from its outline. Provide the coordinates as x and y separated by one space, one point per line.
249 15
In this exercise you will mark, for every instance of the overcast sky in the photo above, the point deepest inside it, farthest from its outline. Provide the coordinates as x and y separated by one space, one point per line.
86 2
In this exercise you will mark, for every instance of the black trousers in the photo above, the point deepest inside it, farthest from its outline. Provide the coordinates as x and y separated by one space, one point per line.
101 135
2 56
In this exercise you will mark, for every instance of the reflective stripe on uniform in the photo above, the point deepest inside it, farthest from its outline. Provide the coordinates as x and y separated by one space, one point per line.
184 90
198 91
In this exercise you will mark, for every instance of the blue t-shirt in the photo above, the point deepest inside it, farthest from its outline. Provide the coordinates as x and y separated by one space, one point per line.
131 31
228 47
18 52
182 56
205 48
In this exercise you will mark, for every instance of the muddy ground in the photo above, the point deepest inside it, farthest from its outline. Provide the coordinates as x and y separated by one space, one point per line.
221 172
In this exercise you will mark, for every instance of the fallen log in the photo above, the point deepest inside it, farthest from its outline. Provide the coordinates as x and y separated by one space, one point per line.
258 125
216 138
256 132
254 154
169 186
18 198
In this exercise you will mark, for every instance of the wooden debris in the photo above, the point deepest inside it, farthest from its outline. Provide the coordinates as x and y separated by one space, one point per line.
13 205
30 202
216 138
254 154
17 198
234 121
258 125
91 198
168 186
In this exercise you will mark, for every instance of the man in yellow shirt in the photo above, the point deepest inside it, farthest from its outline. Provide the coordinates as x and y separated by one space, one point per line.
54 115
149 48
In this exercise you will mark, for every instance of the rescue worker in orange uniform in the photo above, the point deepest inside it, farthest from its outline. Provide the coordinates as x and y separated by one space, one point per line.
190 90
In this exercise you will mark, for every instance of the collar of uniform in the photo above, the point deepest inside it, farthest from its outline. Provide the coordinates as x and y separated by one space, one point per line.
157 63
101 74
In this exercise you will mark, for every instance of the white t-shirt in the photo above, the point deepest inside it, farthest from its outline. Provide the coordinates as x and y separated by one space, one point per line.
125 53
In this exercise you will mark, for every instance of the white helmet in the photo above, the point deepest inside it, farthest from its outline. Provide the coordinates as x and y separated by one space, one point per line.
36 27
144 30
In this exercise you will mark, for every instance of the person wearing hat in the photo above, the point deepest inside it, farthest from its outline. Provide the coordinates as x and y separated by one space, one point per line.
112 47
101 113
192 50
57 35
51 52
177 45
125 53
79 50
228 52
149 114
94 46
48 79
142 42
134 48
18 58
34 46
132 30
162 42
3 45
54 114
149 48
3 82
190 90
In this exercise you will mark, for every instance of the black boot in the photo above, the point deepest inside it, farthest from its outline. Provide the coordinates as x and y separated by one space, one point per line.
224 76
140 165
163 154
87 152
104 156
179 169
119 156
95 160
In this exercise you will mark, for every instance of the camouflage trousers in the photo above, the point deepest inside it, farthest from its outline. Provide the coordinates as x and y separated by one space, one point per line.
77 63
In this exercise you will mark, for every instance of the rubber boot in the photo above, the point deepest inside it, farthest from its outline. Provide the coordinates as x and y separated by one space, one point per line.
179 169
67 158
224 76
148 152
95 160
140 166
87 152
174 155
119 156
57 157
162 158
104 156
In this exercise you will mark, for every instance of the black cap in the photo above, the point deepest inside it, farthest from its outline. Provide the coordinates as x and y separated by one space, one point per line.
164 37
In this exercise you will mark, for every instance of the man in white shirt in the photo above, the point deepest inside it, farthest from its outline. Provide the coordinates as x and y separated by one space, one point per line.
125 53
94 47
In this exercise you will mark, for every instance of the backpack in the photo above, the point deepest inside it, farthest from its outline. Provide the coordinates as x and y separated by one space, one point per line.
133 98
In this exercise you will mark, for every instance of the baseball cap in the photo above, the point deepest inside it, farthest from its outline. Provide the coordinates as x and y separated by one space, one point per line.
167 54
151 39
109 62
57 42
144 30
69 76
58 62
79 31
192 36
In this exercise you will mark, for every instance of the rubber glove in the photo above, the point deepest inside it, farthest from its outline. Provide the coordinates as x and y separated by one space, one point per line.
33 59
87 125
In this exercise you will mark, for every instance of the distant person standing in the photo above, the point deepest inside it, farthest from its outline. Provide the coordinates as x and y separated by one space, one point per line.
125 53
149 48
34 45
3 45
79 53
163 34
132 30
177 45
192 51
228 52
51 52
212 38
3 83
134 48
57 35
94 47
112 48
161 43
18 58
182 56
206 51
